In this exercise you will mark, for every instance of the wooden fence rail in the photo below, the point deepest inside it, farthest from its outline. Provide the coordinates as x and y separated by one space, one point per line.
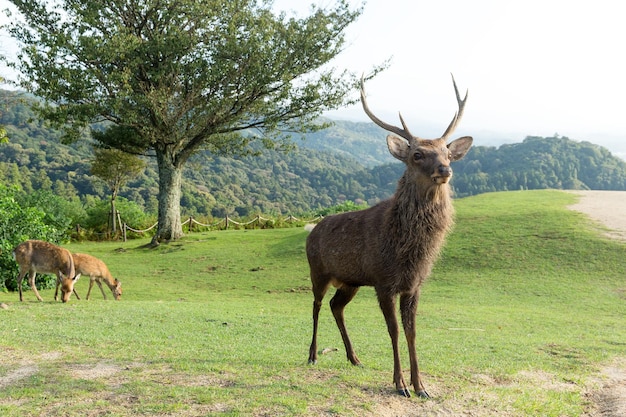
227 222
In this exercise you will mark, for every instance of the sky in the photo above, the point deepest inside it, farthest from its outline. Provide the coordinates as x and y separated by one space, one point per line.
532 67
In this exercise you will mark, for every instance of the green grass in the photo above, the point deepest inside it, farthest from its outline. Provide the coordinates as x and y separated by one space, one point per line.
524 307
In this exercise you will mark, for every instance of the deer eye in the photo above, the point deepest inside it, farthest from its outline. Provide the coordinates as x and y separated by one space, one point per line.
417 156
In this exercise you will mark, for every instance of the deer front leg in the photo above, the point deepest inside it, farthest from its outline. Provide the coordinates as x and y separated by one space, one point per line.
408 310
388 307
319 286
317 305
56 290
101 289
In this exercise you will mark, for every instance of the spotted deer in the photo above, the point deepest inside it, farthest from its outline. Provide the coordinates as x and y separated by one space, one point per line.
33 256
393 245
97 272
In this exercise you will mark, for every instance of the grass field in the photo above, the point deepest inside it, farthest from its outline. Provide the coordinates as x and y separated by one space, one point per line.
525 306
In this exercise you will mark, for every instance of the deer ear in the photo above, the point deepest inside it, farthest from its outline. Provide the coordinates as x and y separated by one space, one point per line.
459 147
398 147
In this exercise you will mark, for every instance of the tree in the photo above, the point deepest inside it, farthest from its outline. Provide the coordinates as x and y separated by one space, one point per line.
172 77
3 131
115 168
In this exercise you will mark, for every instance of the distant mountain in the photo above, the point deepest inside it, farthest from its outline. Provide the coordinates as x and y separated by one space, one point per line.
348 161
364 142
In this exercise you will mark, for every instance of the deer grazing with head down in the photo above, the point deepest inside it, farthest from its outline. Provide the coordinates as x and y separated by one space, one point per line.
97 272
393 245
34 256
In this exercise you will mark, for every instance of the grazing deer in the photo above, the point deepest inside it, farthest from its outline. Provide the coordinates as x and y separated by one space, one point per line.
393 245
34 256
97 272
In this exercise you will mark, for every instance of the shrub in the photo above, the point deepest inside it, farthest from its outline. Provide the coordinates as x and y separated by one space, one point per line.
17 224
97 220
347 205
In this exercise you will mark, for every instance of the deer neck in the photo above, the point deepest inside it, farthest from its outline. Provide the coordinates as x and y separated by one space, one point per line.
418 220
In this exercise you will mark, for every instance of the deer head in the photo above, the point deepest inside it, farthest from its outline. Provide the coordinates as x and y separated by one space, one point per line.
430 157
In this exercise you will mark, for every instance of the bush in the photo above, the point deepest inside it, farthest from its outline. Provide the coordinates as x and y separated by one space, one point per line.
98 215
347 205
17 224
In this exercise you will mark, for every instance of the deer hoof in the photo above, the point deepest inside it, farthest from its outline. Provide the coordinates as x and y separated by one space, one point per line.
423 394
404 392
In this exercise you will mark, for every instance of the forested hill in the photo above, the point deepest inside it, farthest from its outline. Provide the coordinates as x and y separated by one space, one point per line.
538 163
349 161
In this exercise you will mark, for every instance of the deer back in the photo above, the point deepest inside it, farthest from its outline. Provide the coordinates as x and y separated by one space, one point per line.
44 257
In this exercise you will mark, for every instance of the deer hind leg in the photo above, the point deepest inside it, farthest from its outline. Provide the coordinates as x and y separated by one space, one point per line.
31 282
342 297
408 310
388 307
320 286
20 278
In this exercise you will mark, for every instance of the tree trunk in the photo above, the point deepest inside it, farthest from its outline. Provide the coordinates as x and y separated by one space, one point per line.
170 175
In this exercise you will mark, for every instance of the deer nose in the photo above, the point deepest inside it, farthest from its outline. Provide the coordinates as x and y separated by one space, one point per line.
445 171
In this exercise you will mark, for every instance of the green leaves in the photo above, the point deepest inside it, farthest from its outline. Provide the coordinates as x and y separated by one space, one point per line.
20 222
182 75
182 69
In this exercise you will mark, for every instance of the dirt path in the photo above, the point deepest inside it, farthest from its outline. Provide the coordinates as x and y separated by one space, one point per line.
608 208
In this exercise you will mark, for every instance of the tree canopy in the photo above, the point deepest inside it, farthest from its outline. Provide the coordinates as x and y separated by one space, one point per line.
172 77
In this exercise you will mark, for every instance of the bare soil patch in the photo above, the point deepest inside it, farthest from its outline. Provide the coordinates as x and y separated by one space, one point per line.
607 208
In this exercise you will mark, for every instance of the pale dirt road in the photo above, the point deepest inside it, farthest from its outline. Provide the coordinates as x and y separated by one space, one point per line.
608 208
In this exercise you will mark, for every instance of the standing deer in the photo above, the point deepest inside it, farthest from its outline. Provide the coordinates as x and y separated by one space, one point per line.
393 245
97 272
34 256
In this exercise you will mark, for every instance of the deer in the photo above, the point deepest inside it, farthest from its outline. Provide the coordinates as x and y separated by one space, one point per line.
97 272
393 245
33 256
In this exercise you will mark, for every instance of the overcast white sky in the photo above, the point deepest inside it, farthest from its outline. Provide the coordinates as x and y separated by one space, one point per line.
532 67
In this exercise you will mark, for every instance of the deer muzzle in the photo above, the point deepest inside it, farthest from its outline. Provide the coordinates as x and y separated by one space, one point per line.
442 175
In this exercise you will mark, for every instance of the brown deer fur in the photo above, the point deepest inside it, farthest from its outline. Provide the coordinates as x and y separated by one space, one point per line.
34 256
97 272
391 246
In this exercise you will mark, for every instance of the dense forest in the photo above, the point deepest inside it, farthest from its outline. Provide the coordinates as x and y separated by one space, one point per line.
347 162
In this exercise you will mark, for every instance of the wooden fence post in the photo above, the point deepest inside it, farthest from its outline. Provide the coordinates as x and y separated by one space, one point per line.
119 219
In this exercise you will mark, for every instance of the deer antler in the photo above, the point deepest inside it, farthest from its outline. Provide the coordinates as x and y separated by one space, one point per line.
457 116
394 129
